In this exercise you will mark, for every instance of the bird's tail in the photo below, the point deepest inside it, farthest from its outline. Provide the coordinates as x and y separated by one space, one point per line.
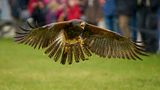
67 52
74 52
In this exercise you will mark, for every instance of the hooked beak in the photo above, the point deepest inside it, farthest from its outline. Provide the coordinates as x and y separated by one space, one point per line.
82 25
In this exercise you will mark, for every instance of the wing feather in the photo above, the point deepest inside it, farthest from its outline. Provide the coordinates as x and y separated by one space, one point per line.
87 51
80 50
106 43
64 57
40 37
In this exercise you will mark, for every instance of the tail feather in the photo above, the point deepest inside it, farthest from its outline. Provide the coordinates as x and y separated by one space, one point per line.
76 53
68 52
81 53
64 55
70 55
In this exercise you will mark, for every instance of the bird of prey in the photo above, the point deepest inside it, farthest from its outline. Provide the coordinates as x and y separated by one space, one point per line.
76 40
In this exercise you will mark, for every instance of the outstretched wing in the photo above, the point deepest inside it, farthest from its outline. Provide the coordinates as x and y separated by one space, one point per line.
49 36
106 43
40 37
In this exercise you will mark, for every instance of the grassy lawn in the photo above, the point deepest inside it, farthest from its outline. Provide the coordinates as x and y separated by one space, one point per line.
23 68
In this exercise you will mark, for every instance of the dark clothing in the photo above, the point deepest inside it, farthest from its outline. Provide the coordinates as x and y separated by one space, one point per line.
148 24
39 16
92 11
109 8
17 6
125 11
125 7
152 5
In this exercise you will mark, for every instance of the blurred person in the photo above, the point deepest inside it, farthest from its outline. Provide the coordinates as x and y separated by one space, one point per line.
125 9
52 5
0 13
24 13
148 23
73 10
15 9
69 10
55 9
38 11
159 26
5 11
60 12
5 19
92 10
19 9
133 27
109 8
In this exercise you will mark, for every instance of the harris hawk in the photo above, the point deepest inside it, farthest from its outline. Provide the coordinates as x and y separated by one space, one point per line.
76 40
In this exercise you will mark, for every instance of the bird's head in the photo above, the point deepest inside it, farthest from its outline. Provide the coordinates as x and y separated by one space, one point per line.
78 23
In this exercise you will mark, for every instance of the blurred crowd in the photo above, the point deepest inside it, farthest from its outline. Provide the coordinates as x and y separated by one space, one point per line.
130 18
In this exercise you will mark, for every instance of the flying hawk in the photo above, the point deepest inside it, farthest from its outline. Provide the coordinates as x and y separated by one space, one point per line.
76 40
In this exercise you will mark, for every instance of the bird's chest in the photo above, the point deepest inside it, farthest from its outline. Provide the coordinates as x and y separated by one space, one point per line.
73 32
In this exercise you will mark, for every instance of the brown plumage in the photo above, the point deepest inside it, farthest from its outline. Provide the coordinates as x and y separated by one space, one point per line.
76 40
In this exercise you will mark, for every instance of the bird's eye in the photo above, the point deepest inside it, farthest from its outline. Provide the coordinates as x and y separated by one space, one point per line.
82 24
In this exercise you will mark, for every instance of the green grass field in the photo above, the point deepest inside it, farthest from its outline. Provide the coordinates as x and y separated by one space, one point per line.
23 68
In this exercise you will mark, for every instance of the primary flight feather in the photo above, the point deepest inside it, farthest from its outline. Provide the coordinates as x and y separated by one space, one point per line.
76 40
